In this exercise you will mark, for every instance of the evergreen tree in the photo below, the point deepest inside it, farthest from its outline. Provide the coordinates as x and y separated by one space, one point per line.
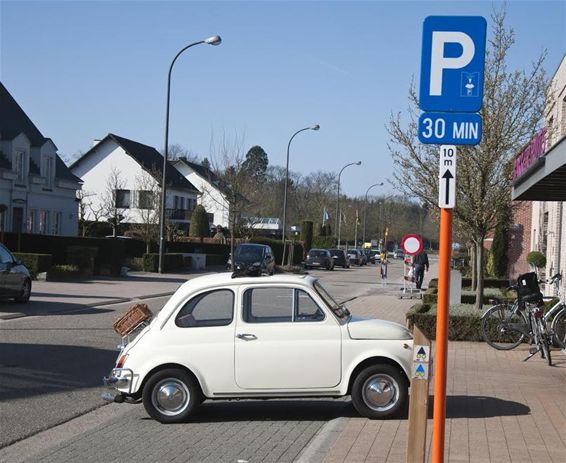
199 222
256 162
500 245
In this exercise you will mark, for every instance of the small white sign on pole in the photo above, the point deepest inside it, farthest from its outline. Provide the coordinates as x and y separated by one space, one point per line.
447 177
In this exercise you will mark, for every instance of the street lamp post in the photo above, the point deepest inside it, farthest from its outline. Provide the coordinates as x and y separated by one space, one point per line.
314 127
365 208
338 221
214 40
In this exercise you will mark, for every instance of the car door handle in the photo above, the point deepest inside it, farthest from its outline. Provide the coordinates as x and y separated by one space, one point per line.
246 336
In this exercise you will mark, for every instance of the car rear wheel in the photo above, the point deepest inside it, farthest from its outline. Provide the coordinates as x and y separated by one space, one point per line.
26 292
171 396
380 391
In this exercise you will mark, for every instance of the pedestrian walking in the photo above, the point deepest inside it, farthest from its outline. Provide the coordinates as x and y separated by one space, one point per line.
383 268
420 265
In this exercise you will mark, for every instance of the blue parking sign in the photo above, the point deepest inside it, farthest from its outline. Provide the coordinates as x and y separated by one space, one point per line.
452 63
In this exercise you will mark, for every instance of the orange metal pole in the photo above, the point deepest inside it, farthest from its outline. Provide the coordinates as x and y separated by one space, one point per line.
439 414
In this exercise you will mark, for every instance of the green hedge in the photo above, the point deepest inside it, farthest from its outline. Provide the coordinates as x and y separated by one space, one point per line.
83 257
63 273
324 242
463 322
277 247
171 262
35 263
215 259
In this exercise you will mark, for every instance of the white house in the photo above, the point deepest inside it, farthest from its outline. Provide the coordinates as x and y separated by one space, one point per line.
37 189
128 174
214 195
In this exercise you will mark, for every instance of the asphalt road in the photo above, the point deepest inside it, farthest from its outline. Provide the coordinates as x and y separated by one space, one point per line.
51 369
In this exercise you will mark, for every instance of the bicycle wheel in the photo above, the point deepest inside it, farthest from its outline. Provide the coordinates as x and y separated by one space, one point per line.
502 328
545 341
559 329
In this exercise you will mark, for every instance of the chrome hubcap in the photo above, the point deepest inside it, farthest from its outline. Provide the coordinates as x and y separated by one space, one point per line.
170 396
380 392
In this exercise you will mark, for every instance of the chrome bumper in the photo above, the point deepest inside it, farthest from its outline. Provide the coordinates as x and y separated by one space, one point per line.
120 378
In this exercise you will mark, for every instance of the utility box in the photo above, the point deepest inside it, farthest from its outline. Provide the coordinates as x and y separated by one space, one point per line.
455 287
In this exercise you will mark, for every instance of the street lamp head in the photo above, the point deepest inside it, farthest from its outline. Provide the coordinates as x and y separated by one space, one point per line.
315 127
214 40
359 163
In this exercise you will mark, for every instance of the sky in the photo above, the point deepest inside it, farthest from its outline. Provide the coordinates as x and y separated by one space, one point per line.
82 69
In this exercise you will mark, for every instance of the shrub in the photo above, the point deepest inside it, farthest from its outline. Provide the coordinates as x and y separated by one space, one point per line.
170 262
323 242
306 234
83 258
463 322
199 222
536 259
317 229
63 273
35 263
277 247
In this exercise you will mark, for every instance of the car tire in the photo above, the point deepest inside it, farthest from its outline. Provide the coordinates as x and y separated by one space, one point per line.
171 396
26 292
380 391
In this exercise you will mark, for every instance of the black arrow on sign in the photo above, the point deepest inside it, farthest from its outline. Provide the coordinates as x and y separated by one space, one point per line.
447 175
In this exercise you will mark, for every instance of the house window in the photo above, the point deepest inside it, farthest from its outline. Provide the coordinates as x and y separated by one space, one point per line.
57 218
122 199
145 199
43 221
190 204
210 217
175 202
182 203
48 171
31 226
20 167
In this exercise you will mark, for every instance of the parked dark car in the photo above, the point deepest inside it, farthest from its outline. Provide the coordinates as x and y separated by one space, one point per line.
340 257
15 280
355 256
319 258
254 255
374 256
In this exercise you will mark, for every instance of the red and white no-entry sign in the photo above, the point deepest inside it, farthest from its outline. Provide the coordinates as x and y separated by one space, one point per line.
412 244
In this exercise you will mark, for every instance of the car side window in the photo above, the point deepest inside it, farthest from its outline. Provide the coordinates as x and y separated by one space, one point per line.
268 305
5 256
214 308
306 310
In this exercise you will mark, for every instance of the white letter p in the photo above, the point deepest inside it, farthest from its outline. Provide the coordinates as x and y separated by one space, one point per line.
438 62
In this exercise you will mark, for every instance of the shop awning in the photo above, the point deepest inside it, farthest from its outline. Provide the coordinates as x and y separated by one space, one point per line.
545 180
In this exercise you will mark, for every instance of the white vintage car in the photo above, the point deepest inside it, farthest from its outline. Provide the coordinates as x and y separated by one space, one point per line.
220 337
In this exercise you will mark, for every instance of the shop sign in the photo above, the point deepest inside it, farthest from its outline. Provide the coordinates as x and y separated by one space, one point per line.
530 154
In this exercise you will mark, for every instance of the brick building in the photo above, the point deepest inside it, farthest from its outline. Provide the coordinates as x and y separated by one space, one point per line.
540 179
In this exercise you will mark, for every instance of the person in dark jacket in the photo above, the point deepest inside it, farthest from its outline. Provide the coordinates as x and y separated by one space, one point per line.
420 264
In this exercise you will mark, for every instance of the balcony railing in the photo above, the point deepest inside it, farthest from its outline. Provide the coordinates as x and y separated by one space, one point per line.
178 214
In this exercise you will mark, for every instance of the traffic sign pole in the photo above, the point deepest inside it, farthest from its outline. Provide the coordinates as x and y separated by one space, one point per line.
439 414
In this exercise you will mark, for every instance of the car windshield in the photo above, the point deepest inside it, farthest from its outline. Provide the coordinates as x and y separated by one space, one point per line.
340 311
317 253
248 253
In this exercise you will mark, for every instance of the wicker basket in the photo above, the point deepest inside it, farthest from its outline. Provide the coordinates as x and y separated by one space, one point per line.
136 314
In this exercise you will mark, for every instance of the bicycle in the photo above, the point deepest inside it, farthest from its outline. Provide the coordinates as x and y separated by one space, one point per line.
505 326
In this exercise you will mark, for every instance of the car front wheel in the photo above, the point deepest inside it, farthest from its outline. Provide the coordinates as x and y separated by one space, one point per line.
380 391
26 292
171 396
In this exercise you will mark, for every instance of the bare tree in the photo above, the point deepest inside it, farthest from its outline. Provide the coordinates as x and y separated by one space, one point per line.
90 212
177 151
148 194
511 113
113 199
227 164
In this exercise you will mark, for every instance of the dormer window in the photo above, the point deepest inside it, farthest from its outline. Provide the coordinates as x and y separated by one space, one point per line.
20 167
48 171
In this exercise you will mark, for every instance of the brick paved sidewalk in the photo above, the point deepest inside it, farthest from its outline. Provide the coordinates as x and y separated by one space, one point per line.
499 408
